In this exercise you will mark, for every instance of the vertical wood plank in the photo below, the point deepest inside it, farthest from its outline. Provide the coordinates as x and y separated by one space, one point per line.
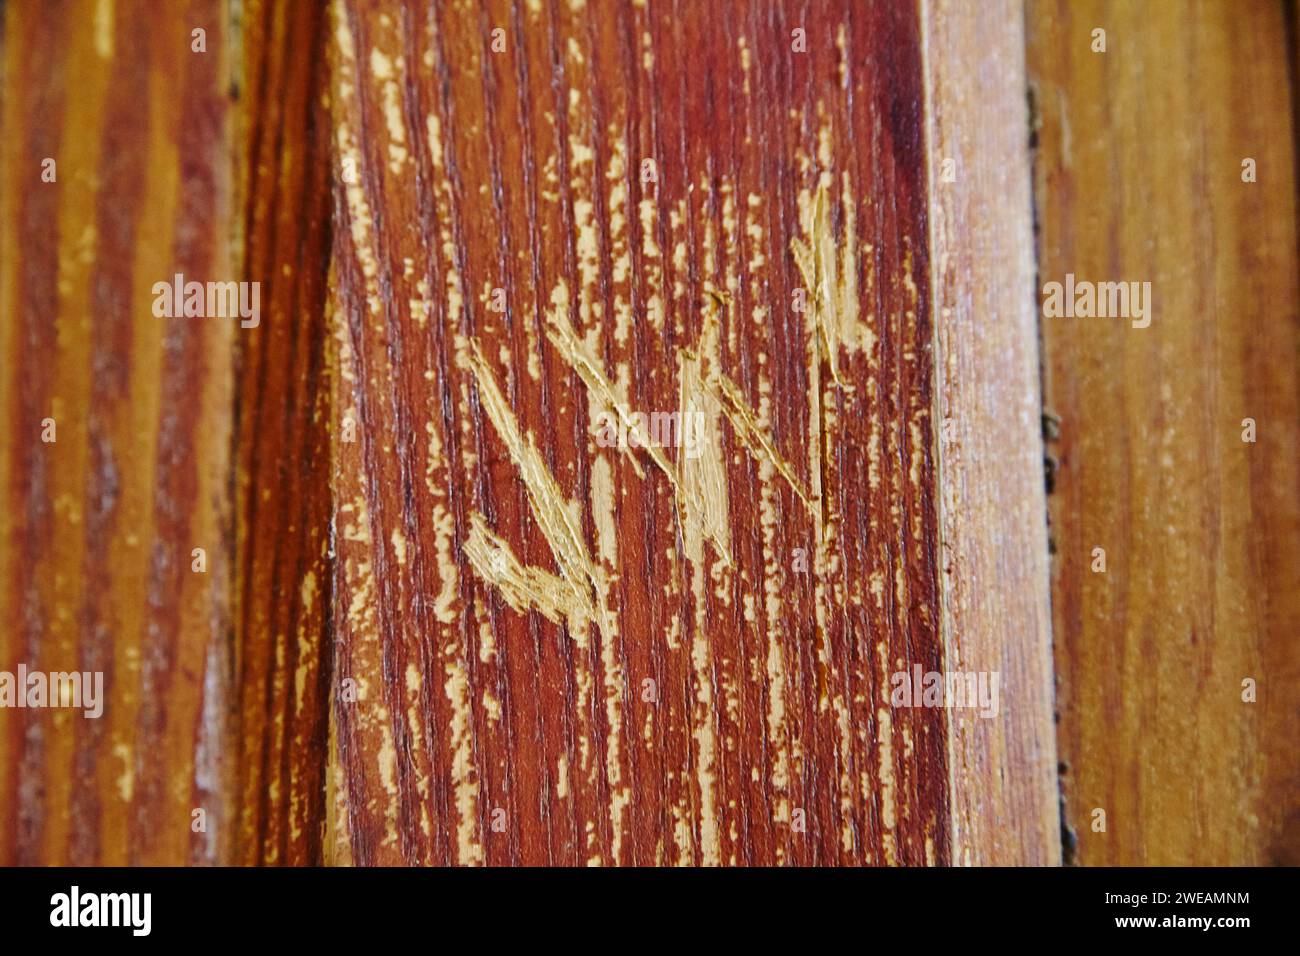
1140 178
993 508
506 585
96 541
282 588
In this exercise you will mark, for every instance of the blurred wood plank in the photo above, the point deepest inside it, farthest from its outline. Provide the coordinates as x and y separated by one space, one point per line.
96 540
1139 178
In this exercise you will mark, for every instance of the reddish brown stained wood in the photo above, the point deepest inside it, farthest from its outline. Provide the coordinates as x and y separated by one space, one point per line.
282 592
520 170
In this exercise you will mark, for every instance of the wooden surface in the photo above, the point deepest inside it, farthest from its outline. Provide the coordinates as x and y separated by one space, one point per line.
99 525
442 621
521 170
282 588
1138 177
506 586
993 528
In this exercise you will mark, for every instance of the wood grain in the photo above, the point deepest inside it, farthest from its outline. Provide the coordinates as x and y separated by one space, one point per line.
96 540
282 633
444 621
1139 178
521 170
993 508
